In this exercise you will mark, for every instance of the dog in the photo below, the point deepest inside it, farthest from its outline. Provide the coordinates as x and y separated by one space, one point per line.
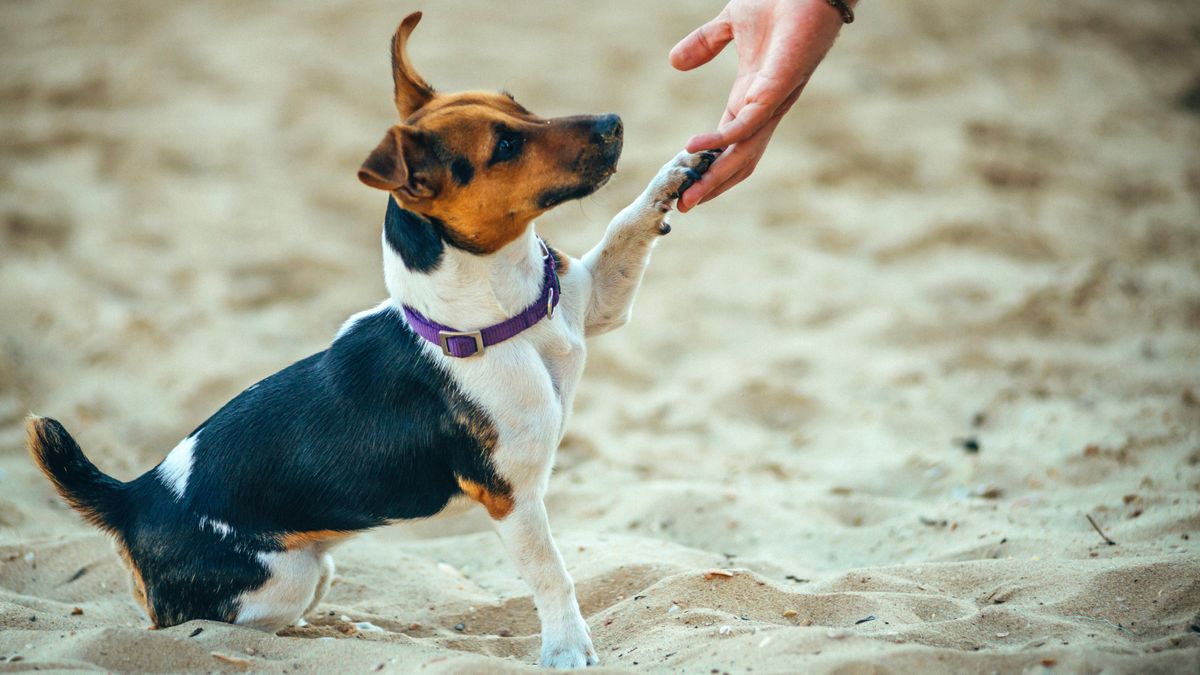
459 384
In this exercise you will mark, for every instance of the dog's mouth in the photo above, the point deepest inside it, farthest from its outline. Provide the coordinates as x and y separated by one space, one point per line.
595 179
555 196
595 165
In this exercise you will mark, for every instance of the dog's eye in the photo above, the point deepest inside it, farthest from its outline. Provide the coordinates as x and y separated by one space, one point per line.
507 147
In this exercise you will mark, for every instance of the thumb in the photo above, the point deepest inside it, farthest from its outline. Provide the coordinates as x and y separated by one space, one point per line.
702 44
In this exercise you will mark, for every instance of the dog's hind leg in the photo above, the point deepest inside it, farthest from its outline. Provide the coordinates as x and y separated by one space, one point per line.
292 587
327 572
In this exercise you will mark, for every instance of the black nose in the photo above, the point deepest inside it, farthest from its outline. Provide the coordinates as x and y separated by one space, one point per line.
608 127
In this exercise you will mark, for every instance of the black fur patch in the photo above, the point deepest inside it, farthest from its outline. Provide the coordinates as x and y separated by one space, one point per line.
413 237
190 572
461 170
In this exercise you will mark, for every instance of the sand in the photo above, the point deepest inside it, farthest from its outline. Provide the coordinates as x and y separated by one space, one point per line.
882 384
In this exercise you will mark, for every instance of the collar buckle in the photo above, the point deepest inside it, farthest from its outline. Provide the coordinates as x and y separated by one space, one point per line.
444 337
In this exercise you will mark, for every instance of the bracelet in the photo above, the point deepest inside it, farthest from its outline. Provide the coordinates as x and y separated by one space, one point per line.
844 9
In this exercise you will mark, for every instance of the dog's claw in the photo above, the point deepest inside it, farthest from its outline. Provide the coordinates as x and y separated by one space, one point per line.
692 176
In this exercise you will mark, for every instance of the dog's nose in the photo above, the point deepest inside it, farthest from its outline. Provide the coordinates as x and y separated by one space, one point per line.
608 127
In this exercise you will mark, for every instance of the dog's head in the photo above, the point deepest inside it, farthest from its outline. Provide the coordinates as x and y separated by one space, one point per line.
479 161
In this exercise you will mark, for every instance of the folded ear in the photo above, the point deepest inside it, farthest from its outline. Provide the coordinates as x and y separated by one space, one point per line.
412 91
403 164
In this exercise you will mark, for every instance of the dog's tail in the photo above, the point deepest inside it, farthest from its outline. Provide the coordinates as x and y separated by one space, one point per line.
97 497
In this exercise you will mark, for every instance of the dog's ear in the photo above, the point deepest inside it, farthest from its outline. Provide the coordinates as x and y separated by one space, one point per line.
412 91
402 163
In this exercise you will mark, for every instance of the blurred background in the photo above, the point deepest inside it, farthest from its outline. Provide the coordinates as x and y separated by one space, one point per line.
956 308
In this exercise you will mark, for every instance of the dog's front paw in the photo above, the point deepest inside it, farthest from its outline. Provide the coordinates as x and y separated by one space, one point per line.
677 176
568 650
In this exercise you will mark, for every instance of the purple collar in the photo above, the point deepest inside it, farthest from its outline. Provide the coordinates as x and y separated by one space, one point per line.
461 344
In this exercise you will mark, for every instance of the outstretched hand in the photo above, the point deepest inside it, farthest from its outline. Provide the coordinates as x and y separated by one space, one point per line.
779 44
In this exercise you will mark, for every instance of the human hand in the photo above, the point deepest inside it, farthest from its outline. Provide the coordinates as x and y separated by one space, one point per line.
779 44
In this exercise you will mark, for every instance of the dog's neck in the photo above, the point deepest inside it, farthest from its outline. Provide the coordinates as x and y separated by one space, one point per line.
465 290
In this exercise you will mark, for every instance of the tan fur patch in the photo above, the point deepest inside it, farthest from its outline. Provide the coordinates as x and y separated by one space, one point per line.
137 583
561 262
294 540
498 505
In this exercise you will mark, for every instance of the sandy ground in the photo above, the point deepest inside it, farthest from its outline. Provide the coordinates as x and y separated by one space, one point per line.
956 311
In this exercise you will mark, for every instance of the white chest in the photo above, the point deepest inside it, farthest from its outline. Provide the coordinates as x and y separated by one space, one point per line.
526 387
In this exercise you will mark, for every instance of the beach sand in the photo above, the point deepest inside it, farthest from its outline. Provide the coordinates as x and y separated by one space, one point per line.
879 387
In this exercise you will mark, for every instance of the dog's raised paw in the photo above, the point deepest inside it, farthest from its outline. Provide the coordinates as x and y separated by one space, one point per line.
690 178
677 176
696 171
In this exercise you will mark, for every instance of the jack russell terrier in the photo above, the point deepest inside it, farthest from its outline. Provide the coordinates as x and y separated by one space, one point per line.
460 383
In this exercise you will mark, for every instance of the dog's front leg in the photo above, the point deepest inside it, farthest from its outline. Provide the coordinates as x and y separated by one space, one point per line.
618 262
566 642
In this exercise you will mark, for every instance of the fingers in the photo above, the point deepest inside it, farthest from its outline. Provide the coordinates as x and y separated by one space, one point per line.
704 43
732 167
713 184
765 102
729 164
736 178
749 121
737 96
